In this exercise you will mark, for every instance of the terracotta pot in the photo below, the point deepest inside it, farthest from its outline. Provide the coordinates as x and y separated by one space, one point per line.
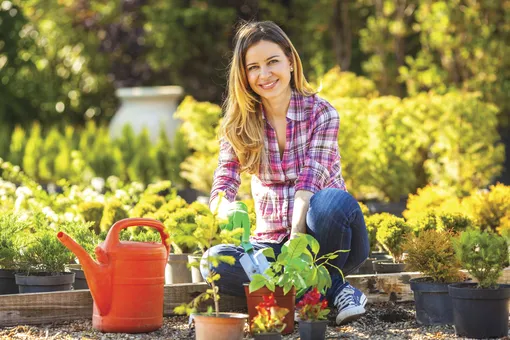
286 301
228 326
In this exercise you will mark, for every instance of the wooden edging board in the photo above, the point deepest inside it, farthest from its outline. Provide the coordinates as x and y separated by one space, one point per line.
40 308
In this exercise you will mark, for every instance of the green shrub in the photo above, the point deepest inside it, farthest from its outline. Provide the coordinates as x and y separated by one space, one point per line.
428 199
433 254
43 252
33 152
487 208
442 221
17 146
11 226
113 212
168 208
484 254
337 84
82 234
391 233
92 212
372 222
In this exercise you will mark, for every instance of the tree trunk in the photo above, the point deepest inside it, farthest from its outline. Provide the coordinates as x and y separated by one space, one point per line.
342 34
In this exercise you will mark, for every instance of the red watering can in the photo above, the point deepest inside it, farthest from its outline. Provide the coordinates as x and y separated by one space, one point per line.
127 281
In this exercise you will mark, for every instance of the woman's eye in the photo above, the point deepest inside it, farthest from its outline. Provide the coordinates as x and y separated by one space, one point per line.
252 68
273 61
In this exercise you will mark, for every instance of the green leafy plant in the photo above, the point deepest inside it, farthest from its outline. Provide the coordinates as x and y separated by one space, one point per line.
270 317
312 308
44 253
391 234
432 253
11 225
484 255
83 235
298 265
211 261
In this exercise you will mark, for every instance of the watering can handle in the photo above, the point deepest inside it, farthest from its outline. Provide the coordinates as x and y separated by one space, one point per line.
113 235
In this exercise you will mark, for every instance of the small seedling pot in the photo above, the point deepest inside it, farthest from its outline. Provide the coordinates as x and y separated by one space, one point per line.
312 330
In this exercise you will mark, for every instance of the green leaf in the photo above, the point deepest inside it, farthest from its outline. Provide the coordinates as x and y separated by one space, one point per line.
268 252
297 246
258 281
314 244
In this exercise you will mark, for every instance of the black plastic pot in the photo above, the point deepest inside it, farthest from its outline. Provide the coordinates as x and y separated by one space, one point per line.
366 268
480 313
267 336
80 282
432 303
383 267
312 330
43 282
8 282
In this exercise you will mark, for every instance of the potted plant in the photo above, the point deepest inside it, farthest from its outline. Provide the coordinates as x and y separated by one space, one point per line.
10 226
213 324
313 316
180 225
480 310
391 233
268 324
432 253
296 269
42 264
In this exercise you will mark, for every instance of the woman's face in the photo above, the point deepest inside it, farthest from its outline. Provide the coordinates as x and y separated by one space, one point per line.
268 70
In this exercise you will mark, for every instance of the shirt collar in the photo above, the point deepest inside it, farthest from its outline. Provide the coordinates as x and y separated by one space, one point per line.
297 107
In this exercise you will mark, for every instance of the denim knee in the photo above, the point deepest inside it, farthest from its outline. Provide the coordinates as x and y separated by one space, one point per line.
333 203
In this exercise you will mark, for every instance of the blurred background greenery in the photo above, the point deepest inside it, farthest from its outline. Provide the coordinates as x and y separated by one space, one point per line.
422 86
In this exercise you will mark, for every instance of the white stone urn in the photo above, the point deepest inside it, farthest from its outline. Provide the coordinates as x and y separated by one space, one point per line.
147 107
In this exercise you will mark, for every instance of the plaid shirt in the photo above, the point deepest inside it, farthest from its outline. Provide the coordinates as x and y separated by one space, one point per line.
311 161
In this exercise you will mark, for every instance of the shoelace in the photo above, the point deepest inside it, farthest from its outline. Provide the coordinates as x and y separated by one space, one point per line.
345 298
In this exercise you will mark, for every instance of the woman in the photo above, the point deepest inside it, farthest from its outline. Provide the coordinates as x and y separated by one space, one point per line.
277 129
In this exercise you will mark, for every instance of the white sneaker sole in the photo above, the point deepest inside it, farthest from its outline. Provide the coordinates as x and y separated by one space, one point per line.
350 314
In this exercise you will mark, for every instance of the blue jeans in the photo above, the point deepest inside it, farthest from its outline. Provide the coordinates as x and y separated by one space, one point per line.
334 218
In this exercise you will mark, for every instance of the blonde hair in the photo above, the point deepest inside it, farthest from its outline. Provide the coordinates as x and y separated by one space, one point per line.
243 124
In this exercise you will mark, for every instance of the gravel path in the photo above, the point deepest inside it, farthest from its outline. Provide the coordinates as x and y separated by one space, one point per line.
382 321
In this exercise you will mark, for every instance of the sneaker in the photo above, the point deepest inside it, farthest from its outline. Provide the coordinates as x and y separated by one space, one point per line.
350 303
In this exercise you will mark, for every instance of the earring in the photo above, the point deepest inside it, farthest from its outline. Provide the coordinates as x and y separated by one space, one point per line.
291 69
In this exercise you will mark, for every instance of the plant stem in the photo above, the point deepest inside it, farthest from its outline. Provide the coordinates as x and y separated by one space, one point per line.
215 298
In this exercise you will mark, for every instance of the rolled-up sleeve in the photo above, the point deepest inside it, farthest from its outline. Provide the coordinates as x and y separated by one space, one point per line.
322 162
226 176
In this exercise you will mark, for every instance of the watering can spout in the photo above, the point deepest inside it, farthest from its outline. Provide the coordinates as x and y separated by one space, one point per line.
97 274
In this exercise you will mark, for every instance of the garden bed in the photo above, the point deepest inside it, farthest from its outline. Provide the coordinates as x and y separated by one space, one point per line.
385 320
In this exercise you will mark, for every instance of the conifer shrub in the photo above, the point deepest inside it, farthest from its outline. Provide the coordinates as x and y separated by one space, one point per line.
483 253
391 234
432 253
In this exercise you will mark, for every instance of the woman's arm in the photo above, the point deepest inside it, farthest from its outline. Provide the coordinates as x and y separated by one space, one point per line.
301 204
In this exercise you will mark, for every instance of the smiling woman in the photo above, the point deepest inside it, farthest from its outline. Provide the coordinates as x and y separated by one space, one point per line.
279 130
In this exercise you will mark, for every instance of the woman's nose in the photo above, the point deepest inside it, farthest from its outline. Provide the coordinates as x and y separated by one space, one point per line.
265 72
